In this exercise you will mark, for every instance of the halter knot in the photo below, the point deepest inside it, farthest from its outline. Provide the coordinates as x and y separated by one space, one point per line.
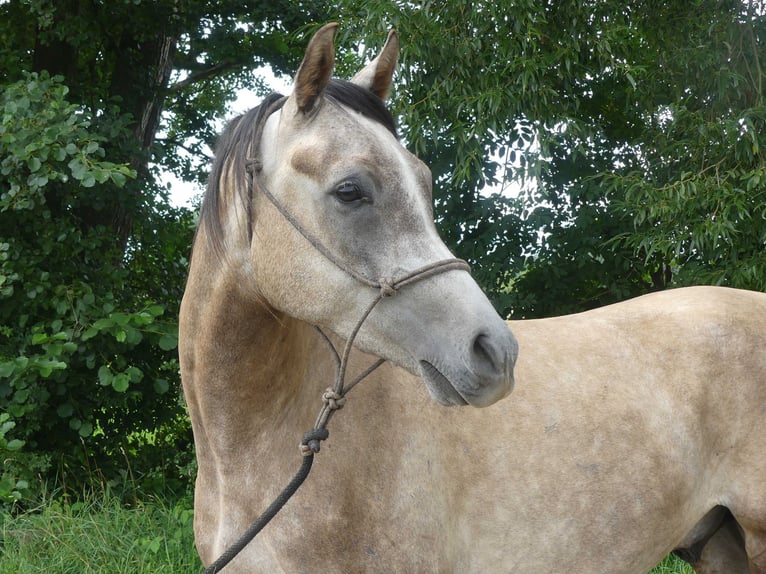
311 440
333 400
387 287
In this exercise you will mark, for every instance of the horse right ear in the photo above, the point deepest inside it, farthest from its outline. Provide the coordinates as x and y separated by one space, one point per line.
377 75
315 70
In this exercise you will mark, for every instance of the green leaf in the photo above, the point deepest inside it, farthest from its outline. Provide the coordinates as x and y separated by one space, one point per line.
89 333
120 318
103 324
7 368
17 411
161 386
121 382
135 374
77 168
156 310
86 429
105 376
133 336
118 179
168 342
14 444
39 338
47 366
65 410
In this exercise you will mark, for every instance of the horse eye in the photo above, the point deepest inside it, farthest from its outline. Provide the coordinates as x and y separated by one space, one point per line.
349 192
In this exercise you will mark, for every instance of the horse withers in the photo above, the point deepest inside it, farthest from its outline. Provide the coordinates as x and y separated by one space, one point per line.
634 430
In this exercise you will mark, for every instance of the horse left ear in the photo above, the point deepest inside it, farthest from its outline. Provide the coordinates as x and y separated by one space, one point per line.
315 70
376 76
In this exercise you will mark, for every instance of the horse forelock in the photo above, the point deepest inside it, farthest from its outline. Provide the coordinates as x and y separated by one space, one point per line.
240 144
237 143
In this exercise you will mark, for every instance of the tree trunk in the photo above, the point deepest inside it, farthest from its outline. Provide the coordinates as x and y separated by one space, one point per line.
142 62
143 88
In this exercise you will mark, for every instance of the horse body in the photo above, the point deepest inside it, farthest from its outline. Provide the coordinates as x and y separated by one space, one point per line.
632 430
588 467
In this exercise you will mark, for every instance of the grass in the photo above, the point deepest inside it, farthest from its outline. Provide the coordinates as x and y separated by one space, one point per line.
672 565
103 536
100 536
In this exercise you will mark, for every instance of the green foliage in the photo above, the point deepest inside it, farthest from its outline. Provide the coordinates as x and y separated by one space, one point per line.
672 565
45 140
92 258
86 359
16 464
700 207
629 133
216 55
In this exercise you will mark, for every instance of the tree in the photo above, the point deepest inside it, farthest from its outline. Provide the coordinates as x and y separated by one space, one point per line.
695 187
634 131
632 134
92 257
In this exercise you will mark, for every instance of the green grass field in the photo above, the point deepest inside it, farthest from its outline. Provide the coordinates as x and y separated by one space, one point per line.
103 536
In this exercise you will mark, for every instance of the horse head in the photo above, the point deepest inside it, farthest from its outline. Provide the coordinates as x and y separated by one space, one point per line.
332 203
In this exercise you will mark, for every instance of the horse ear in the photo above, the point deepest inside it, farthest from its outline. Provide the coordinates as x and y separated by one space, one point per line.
316 69
376 76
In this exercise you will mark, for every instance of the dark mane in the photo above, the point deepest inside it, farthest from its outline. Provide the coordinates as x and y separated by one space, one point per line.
361 100
240 140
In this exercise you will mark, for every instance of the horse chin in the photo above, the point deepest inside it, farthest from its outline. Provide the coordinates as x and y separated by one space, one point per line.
439 387
462 392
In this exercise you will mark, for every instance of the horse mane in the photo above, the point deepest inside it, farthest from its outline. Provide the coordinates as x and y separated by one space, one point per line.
240 142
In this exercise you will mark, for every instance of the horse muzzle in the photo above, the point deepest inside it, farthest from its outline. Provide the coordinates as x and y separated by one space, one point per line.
480 376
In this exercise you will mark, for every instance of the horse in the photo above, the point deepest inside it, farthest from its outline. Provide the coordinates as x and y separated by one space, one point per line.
594 442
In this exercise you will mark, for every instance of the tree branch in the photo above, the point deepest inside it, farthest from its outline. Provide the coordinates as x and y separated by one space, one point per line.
204 74
190 150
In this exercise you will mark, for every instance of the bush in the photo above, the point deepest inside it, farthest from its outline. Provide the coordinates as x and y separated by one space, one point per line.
88 371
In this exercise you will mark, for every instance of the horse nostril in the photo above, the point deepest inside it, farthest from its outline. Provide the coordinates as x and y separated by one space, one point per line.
485 355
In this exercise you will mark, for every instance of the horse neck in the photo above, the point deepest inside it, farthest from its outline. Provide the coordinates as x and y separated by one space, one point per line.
244 365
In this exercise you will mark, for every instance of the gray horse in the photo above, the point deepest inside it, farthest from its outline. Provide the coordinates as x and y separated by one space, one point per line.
633 430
